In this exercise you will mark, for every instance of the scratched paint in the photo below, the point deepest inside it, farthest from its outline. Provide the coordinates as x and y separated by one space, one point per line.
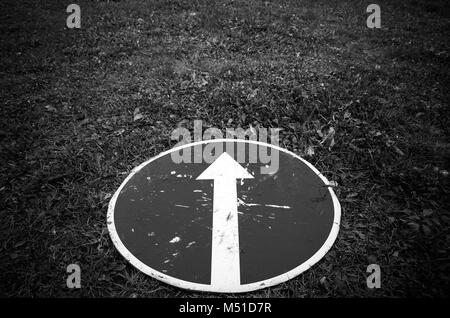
176 239
190 244
241 202
284 218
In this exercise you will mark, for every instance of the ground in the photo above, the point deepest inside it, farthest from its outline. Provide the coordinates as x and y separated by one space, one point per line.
81 107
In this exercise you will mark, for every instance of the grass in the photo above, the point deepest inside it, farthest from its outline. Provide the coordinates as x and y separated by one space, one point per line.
68 138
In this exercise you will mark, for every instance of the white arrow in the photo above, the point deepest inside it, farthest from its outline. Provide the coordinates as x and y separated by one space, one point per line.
225 267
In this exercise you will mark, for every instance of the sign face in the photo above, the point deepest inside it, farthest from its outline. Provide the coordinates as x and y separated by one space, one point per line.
224 215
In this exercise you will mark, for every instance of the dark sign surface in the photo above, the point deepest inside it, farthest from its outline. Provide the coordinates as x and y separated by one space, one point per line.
247 216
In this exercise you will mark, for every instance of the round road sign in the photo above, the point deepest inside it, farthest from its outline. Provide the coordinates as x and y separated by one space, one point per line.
224 215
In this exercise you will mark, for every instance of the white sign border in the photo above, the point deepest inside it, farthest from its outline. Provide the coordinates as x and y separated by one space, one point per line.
209 288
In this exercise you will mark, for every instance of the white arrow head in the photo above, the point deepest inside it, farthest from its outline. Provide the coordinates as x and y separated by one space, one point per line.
224 167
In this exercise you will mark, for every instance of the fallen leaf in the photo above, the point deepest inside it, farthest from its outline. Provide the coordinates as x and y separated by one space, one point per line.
328 137
333 183
119 132
50 108
137 115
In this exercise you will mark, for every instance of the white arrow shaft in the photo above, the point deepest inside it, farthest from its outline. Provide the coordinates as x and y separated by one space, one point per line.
225 267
